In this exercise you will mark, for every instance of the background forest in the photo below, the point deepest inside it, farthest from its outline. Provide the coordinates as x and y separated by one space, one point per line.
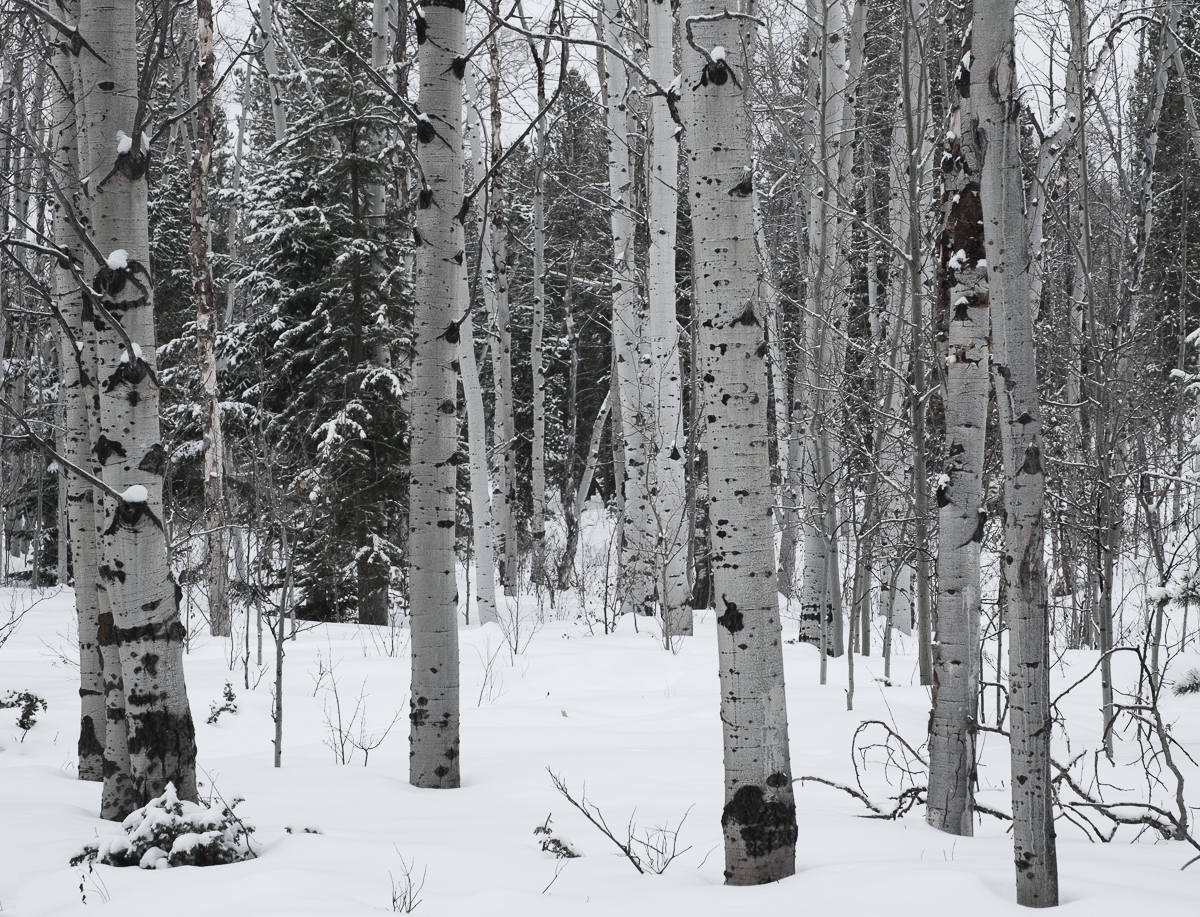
861 334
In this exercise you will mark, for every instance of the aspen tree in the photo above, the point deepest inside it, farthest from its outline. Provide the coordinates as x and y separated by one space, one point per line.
434 702
638 529
964 307
143 627
663 393
199 249
759 818
78 356
996 108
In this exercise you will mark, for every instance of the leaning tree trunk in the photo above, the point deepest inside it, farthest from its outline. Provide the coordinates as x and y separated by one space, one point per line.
961 515
759 817
77 354
996 107
199 249
434 716
144 626
483 521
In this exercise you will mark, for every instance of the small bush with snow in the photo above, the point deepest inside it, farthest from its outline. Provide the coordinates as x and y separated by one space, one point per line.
169 831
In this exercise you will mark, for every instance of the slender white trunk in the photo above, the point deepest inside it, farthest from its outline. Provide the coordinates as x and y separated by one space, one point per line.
481 502
434 703
961 513
667 489
504 422
199 248
825 309
134 572
759 818
996 106
271 65
638 528
79 387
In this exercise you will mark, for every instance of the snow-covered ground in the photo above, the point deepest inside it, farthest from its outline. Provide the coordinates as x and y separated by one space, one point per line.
637 724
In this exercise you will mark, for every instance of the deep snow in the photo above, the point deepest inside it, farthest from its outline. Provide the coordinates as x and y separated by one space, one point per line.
637 724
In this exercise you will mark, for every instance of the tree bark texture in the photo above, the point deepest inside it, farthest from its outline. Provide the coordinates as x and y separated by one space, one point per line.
961 513
77 354
145 630
484 526
759 817
664 391
199 245
638 528
996 110
434 703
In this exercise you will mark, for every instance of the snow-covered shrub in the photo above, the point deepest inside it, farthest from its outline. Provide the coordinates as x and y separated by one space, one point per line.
28 703
169 831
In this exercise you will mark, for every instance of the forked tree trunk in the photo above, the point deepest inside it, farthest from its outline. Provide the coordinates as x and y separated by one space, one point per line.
484 526
199 247
996 108
434 703
144 628
79 388
961 514
759 818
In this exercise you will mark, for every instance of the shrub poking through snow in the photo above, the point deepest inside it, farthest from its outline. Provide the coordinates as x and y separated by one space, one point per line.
230 705
28 703
1189 684
169 831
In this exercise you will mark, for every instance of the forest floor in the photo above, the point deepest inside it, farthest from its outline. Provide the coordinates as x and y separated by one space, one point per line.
635 724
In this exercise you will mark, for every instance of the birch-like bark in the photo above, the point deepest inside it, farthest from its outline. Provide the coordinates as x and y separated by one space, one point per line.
537 522
759 818
964 306
664 391
79 387
199 248
996 108
820 615
434 703
638 527
505 422
271 66
134 571
484 529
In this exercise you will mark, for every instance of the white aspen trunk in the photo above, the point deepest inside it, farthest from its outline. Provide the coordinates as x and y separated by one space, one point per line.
824 320
638 527
271 66
134 571
199 247
667 487
434 716
79 387
996 109
537 522
961 513
235 186
484 533
486 281
505 422
759 818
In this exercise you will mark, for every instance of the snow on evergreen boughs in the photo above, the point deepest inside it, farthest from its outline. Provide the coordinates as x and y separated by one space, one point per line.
169 832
